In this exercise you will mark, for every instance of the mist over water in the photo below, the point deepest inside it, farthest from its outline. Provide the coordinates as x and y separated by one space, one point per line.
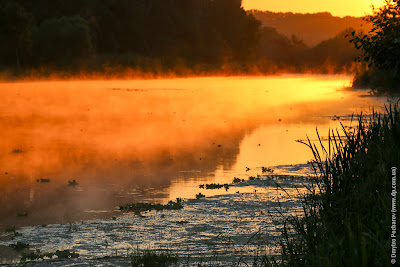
152 140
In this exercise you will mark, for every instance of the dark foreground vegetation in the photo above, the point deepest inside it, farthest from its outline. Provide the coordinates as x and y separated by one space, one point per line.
380 50
120 38
347 219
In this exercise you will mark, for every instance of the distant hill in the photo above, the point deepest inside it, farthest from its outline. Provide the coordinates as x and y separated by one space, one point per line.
312 28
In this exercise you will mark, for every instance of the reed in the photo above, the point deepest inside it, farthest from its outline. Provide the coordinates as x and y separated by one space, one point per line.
347 217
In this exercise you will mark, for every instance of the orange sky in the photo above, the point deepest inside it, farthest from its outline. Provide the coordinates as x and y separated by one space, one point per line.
335 7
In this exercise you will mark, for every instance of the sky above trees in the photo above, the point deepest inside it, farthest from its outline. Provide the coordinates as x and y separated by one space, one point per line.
335 7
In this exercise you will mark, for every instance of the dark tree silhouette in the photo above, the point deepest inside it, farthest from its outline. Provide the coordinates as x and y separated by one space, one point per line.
15 32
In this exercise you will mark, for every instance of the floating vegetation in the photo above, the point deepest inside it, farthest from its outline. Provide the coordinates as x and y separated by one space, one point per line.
34 255
215 186
72 183
142 206
19 246
152 258
182 222
61 254
200 195
43 180
66 254
22 214
252 178
237 180
73 227
265 169
201 186
16 151
10 229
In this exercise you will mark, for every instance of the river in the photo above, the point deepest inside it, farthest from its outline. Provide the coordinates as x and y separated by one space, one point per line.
155 140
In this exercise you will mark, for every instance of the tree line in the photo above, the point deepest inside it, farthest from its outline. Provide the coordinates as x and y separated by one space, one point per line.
43 31
144 33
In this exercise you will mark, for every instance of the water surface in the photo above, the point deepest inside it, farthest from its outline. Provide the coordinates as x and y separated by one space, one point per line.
153 140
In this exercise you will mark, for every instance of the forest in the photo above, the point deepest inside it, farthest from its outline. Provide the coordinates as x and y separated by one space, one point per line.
160 36
43 31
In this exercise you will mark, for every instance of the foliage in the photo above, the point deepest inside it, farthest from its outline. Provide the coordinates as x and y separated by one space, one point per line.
381 46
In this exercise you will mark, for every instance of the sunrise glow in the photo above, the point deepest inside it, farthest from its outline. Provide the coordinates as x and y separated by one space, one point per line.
340 8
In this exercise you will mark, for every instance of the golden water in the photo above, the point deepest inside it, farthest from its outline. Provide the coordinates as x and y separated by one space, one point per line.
154 140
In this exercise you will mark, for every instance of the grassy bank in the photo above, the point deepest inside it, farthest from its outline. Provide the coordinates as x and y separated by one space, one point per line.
347 218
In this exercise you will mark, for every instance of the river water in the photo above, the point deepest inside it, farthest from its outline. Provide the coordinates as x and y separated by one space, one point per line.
156 140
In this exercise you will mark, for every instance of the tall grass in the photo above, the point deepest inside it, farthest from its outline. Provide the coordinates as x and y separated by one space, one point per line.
347 215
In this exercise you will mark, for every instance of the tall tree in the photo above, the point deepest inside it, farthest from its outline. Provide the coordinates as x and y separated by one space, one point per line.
381 46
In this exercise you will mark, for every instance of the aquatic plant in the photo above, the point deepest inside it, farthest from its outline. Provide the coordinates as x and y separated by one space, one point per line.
153 258
24 214
72 183
36 255
265 169
10 229
182 222
33 255
252 178
43 180
142 206
216 186
201 186
72 227
19 246
237 180
16 151
66 254
200 195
